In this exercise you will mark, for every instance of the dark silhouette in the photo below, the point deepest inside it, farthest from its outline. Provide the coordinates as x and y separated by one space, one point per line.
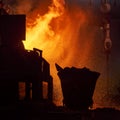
20 65
78 86
2 10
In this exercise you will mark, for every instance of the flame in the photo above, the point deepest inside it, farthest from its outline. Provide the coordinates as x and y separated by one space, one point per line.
41 35
62 37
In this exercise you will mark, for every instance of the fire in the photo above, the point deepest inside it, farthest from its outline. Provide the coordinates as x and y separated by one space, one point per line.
41 35
62 37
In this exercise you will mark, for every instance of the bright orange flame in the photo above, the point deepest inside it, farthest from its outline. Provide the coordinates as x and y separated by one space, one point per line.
64 39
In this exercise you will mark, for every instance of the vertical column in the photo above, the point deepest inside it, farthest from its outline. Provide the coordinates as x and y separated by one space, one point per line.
50 88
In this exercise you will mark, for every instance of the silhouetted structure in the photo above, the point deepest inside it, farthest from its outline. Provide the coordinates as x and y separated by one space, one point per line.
20 65
78 86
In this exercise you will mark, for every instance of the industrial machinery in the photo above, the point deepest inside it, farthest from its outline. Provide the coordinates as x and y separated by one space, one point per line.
20 65
78 86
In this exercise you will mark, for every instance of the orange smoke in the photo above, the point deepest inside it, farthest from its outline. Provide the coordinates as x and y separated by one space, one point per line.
65 38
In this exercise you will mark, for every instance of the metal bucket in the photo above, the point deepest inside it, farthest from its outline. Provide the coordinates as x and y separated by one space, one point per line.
77 86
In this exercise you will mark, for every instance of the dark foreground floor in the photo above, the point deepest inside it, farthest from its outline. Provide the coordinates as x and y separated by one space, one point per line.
51 112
